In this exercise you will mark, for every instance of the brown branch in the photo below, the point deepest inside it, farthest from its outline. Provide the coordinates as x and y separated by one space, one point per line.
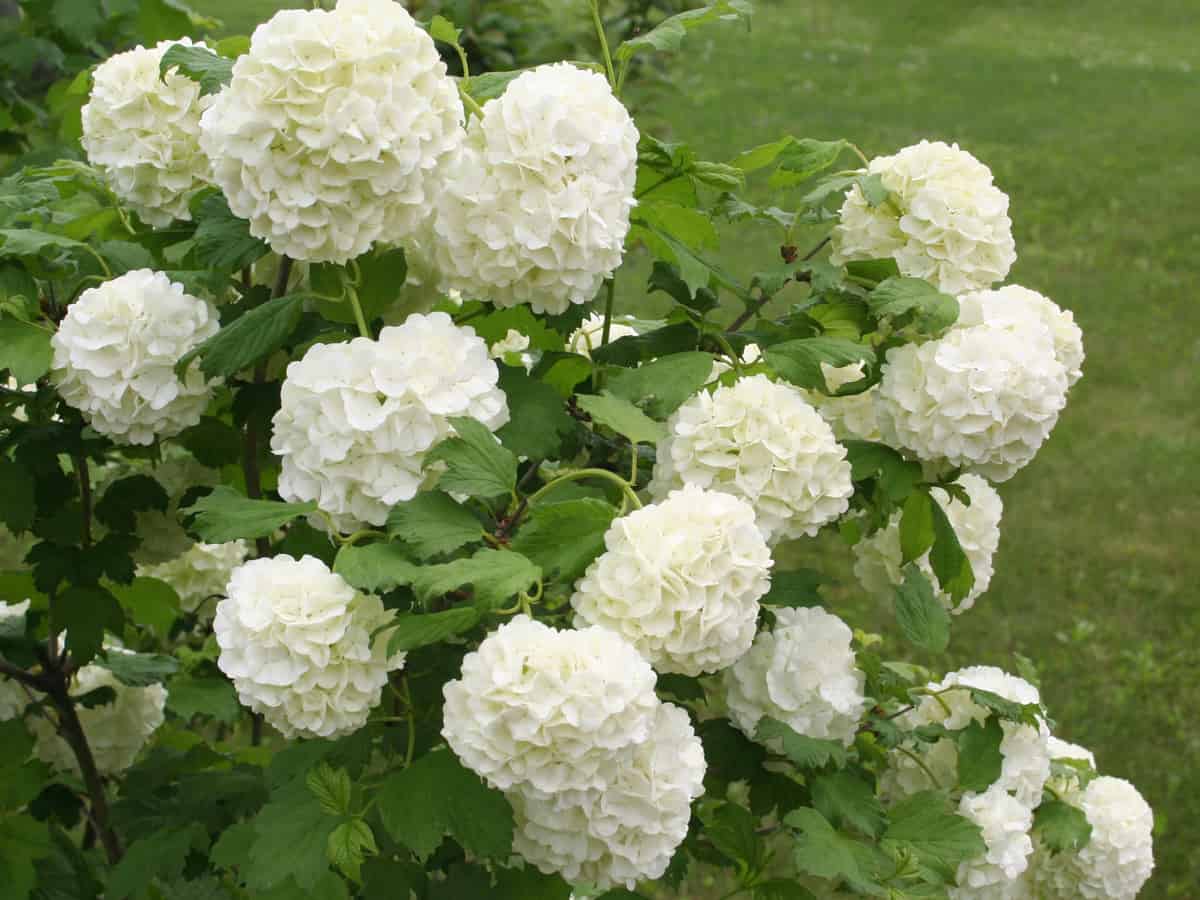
754 310
16 673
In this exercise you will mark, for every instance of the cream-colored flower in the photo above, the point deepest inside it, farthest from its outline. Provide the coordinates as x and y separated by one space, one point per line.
588 336
200 573
1020 309
1005 823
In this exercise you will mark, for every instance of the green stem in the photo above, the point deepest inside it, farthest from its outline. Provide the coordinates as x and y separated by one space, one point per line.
352 296
100 259
469 101
412 722
625 486
609 300
924 768
608 63
666 179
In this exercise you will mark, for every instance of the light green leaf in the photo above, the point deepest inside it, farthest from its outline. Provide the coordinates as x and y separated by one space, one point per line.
442 29
690 227
255 334
24 350
931 309
848 798
210 71
476 463
668 35
433 523
779 889
19 242
799 361
149 602
820 850
225 515
622 417
804 751
803 159
375 567
663 385
563 538
938 838
1061 826
162 20
413 630
695 270
490 85
495 575
138 669
331 787
348 846
761 156
920 614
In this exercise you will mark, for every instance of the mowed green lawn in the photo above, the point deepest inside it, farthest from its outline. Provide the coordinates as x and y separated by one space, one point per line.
1086 112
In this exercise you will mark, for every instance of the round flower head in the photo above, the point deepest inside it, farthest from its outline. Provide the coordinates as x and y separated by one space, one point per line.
629 830
803 674
1118 858
13 698
115 355
199 573
680 579
878 560
357 419
116 731
1024 748
588 336
1021 309
762 441
536 208
142 131
295 639
1005 823
332 131
944 219
548 708
983 397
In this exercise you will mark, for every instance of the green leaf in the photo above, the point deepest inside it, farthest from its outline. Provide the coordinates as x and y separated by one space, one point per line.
490 85
331 787
803 159
435 796
23 841
528 884
495 575
222 240
433 523
897 476
538 420
564 538
668 35
695 270
476 463
29 242
731 829
442 29
225 515
255 334
213 442
24 350
415 630
920 614
1025 714
666 278
947 558
916 526
931 310
820 850
375 567
761 156
1061 826
159 855
805 752
210 71
291 840
797 587
873 188
126 497
799 361
690 227
138 669
84 612
938 838
162 20
979 756
189 696
879 270
661 387
17 506
848 798
622 417
348 846
149 602
779 889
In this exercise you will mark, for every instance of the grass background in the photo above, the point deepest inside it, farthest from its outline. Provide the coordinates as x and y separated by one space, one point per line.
1086 112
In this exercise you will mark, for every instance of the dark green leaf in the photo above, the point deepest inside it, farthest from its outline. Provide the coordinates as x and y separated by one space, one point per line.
932 310
84 612
375 567
731 828
24 350
897 476
639 348
563 538
213 442
332 788
804 751
23 841
225 515
979 756
291 836
138 669
916 527
797 587
476 463
681 687
1061 826
820 850
947 558
938 838
665 277
848 798
222 240
660 387
255 334
920 614
779 889
800 361
538 420
162 20
189 696
126 497
17 506
528 884
415 630
433 523
622 417
159 855
210 71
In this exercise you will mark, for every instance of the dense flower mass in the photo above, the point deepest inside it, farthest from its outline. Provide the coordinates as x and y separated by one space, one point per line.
115 355
590 334
1024 748
763 442
199 573
628 831
1005 823
944 220
333 130
549 708
1020 310
984 397
877 559
803 674
142 131
536 208
680 580
116 731
296 640
357 419
1118 858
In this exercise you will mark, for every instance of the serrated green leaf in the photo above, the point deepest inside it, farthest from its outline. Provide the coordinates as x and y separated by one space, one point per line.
433 523
803 158
805 752
920 614
252 336
332 788
622 417
476 463
348 846
24 350
529 884
17 502
291 837
668 35
23 841
779 889
201 65
848 798
126 497
661 387
225 515
149 602
223 241
878 270
538 421
948 559
563 538
820 850
490 85
796 587
979 756
732 830
695 270
189 696
375 567
1026 714
1061 826
932 310
138 669
761 156
799 361
938 838
29 242
916 527
897 476
495 576
413 630
84 612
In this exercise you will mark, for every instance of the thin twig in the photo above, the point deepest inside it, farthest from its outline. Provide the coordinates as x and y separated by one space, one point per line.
85 497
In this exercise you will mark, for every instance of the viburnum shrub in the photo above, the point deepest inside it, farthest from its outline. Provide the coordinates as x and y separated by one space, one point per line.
353 547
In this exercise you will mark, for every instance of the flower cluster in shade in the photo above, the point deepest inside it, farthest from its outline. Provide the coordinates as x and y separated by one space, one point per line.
986 395
601 774
13 698
296 640
803 673
878 560
680 580
943 220
334 130
535 208
761 441
199 574
115 352
142 131
357 419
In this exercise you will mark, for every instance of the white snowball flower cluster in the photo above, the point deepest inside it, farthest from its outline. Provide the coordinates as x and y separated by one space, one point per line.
1005 823
1020 309
142 131
356 419
877 559
333 131
803 673
600 773
588 336
201 572
984 397
116 731
762 441
115 354
1024 748
1118 859
629 831
680 580
945 221
295 639
13 698
536 208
